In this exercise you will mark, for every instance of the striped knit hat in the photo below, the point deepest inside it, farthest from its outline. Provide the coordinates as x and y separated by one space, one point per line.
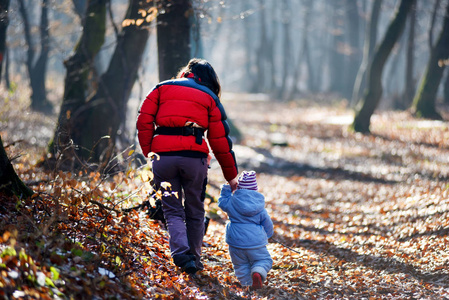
247 181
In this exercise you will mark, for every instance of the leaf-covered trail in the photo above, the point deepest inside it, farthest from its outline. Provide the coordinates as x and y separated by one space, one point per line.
367 216
356 217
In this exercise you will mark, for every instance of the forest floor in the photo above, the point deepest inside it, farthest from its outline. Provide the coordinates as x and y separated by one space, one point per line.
355 216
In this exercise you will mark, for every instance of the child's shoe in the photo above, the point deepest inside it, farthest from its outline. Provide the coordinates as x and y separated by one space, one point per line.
257 281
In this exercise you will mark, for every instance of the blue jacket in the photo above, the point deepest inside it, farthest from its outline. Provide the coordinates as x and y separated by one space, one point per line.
249 225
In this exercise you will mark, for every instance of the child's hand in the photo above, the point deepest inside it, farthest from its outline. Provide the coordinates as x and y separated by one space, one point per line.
234 183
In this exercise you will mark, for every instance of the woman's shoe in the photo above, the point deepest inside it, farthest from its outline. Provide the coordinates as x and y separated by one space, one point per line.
190 267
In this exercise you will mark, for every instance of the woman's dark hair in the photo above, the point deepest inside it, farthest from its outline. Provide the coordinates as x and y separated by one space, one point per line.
203 73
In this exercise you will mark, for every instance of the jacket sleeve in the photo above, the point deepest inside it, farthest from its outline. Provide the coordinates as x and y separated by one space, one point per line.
267 224
225 197
145 121
220 142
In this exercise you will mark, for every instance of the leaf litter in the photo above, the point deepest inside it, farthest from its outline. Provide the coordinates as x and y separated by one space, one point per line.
356 216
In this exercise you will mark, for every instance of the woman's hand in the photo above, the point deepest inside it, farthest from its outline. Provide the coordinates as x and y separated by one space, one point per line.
234 183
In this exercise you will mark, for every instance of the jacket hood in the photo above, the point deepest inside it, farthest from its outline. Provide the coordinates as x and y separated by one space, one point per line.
248 202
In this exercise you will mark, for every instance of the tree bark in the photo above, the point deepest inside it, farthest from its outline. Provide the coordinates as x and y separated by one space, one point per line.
373 92
10 183
37 69
446 88
80 7
286 47
173 37
248 45
432 22
425 98
79 67
370 42
410 61
337 66
304 53
271 80
107 109
353 55
4 5
393 74
263 66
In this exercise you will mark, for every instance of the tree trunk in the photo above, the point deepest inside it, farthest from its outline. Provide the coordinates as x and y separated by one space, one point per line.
10 183
311 82
271 80
410 60
37 69
304 54
249 52
196 39
337 59
80 7
374 80
79 67
446 88
393 76
173 37
6 69
4 5
261 50
39 101
107 109
287 46
432 22
370 42
353 55
425 98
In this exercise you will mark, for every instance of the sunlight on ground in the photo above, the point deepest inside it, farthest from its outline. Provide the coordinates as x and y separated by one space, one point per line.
361 216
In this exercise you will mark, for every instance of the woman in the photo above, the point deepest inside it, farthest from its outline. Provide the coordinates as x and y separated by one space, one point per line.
172 121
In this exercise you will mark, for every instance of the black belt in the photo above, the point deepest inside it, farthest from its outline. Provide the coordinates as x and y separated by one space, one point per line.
185 131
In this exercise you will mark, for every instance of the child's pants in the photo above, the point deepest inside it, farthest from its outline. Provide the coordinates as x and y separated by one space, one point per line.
248 261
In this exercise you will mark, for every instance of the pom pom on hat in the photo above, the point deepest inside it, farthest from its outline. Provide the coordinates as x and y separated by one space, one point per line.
247 181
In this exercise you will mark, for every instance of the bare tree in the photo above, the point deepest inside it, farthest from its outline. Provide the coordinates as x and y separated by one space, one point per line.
9 181
37 67
264 53
425 98
79 67
4 4
304 52
102 123
286 48
373 92
353 52
410 62
248 42
370 42
92 125
337 66
80 7
173 36
432 22
446 88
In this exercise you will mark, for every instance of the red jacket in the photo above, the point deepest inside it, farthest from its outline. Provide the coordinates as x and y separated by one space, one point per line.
172 103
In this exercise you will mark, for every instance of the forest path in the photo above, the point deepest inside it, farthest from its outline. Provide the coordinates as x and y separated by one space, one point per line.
364 215
355 216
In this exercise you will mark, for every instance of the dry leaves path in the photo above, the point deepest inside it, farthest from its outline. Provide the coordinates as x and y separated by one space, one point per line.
356 216
366 216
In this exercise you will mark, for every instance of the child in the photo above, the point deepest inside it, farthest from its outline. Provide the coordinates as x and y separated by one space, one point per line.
248 230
